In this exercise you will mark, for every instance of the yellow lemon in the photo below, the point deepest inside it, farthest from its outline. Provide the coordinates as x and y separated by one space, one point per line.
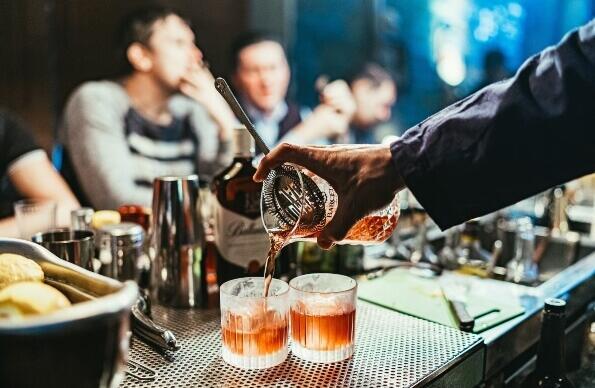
28 298
17 268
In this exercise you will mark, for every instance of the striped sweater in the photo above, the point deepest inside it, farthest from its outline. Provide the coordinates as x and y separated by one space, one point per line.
115 153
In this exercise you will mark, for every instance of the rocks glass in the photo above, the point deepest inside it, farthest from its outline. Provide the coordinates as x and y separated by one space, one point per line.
254 329
323 317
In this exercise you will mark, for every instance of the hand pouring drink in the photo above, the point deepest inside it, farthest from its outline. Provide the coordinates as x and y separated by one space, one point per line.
297 205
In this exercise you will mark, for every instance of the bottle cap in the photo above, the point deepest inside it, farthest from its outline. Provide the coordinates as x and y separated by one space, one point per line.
243 142
554 305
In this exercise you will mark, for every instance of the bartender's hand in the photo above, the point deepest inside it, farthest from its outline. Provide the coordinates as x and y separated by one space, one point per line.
364 177
199 84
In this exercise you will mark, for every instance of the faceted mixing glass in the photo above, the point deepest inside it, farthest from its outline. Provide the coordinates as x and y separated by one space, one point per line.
296 205
323 317
254 329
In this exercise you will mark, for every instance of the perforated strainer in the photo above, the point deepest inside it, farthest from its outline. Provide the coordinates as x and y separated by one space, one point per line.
291 198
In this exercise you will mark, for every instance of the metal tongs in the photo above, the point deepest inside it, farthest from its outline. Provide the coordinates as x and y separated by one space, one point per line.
142 324
147 330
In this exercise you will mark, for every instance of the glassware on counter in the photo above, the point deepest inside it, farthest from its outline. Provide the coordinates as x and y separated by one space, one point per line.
523 268
34 216
323 317
254 329
81 218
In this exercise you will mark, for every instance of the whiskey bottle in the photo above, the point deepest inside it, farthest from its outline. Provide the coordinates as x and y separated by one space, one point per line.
240 239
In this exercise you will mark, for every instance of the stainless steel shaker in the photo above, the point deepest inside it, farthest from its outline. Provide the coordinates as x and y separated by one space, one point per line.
176 242
121 251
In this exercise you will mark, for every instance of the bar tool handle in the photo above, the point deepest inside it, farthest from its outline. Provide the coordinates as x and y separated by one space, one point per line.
152 333
464 320
224 89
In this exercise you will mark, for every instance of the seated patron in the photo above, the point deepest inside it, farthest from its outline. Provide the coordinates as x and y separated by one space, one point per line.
27 173
375 92
164 117
261 77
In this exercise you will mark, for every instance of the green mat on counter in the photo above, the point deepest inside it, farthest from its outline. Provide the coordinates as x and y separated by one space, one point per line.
403 291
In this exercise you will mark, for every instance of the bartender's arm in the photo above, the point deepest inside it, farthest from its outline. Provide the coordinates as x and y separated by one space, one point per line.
508 141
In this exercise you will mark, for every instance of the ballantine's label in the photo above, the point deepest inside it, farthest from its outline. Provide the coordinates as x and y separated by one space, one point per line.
240 240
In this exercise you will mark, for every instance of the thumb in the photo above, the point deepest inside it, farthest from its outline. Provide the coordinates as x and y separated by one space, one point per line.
337 228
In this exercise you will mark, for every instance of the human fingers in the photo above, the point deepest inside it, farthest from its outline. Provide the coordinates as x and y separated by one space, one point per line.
311 158
336 230
337 86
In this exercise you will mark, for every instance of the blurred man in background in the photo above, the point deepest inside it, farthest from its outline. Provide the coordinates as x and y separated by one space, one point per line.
261 77
27 173
164 117
375 93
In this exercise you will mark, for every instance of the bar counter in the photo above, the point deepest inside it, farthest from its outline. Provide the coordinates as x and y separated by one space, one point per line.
392 349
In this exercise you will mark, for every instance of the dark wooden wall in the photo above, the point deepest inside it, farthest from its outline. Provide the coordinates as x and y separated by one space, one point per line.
48 47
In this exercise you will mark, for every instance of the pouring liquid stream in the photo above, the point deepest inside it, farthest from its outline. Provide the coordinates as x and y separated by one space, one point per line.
278 240
368 230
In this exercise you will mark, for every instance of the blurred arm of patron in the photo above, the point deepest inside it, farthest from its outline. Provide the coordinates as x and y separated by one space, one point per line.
508 141
164 117
30 172
261 76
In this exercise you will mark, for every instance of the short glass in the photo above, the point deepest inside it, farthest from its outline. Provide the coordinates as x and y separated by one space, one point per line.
254 329
33 216
323 317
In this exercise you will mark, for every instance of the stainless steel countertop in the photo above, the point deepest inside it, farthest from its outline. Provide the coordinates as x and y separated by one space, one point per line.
392 350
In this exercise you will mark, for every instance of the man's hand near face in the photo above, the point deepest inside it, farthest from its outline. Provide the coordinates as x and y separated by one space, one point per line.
198 84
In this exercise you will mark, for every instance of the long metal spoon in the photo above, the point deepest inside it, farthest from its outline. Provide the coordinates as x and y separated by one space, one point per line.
224 89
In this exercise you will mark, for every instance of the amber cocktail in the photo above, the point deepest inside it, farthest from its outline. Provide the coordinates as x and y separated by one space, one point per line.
323 317
254 329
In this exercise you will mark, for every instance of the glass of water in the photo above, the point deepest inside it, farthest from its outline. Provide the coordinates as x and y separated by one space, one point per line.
33 216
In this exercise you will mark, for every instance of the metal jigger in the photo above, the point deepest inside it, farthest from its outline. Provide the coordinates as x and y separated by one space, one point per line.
176 242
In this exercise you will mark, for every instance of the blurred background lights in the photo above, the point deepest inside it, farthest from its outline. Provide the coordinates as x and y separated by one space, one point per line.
450 65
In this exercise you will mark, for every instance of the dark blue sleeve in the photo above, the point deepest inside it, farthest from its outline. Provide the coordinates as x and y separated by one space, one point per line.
509 140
